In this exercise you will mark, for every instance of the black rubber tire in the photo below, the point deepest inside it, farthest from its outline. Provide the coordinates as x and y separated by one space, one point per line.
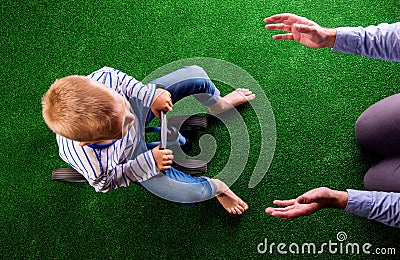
190 166
187 123
67 175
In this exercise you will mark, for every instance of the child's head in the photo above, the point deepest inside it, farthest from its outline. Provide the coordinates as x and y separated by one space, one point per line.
84 110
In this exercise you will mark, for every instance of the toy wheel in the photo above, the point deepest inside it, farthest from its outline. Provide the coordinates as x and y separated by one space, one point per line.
190 166
188 123
67 175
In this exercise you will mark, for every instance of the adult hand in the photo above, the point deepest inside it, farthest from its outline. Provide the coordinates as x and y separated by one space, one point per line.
163 158
301 30
162 102
309 203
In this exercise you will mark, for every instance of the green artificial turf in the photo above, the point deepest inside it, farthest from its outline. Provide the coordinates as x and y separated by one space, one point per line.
316 97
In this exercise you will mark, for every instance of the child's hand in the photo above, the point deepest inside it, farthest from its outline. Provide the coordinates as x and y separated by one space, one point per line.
162 102
163 158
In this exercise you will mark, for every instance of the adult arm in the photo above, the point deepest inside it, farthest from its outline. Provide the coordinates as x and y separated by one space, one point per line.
379 206
382 41
308 203
301 29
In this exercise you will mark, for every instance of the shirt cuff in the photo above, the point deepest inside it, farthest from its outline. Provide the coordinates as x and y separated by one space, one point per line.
359 203
347 40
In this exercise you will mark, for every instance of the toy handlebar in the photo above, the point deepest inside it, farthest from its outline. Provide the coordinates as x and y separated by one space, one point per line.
164 130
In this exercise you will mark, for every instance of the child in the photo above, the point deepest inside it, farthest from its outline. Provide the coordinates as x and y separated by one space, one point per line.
100 120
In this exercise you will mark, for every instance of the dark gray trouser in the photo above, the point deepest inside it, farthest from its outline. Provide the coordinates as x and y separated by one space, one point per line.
378 130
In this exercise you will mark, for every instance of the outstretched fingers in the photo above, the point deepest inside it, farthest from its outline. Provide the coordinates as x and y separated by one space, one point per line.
280 18
284 214
279 26
284 203
288 36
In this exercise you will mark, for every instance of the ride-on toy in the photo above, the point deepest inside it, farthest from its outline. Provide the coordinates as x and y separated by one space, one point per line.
179 131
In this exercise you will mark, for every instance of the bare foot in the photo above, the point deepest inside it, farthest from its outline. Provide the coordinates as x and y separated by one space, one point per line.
235 98
232 203
239 96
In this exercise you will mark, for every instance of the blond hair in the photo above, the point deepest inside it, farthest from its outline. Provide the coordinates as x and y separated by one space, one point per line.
76 108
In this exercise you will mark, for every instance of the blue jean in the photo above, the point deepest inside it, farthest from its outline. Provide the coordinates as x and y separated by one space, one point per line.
175 185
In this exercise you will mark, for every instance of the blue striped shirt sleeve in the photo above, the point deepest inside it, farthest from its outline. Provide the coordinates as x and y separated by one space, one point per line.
144 166
134 88
382 41
140 169
383 207
125 85
102 172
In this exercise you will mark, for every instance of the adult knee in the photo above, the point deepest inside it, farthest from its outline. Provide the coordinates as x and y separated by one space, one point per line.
363 130
367 131
378 127
384 176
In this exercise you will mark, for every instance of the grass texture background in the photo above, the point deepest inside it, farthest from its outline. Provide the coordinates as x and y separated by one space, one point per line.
316 96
